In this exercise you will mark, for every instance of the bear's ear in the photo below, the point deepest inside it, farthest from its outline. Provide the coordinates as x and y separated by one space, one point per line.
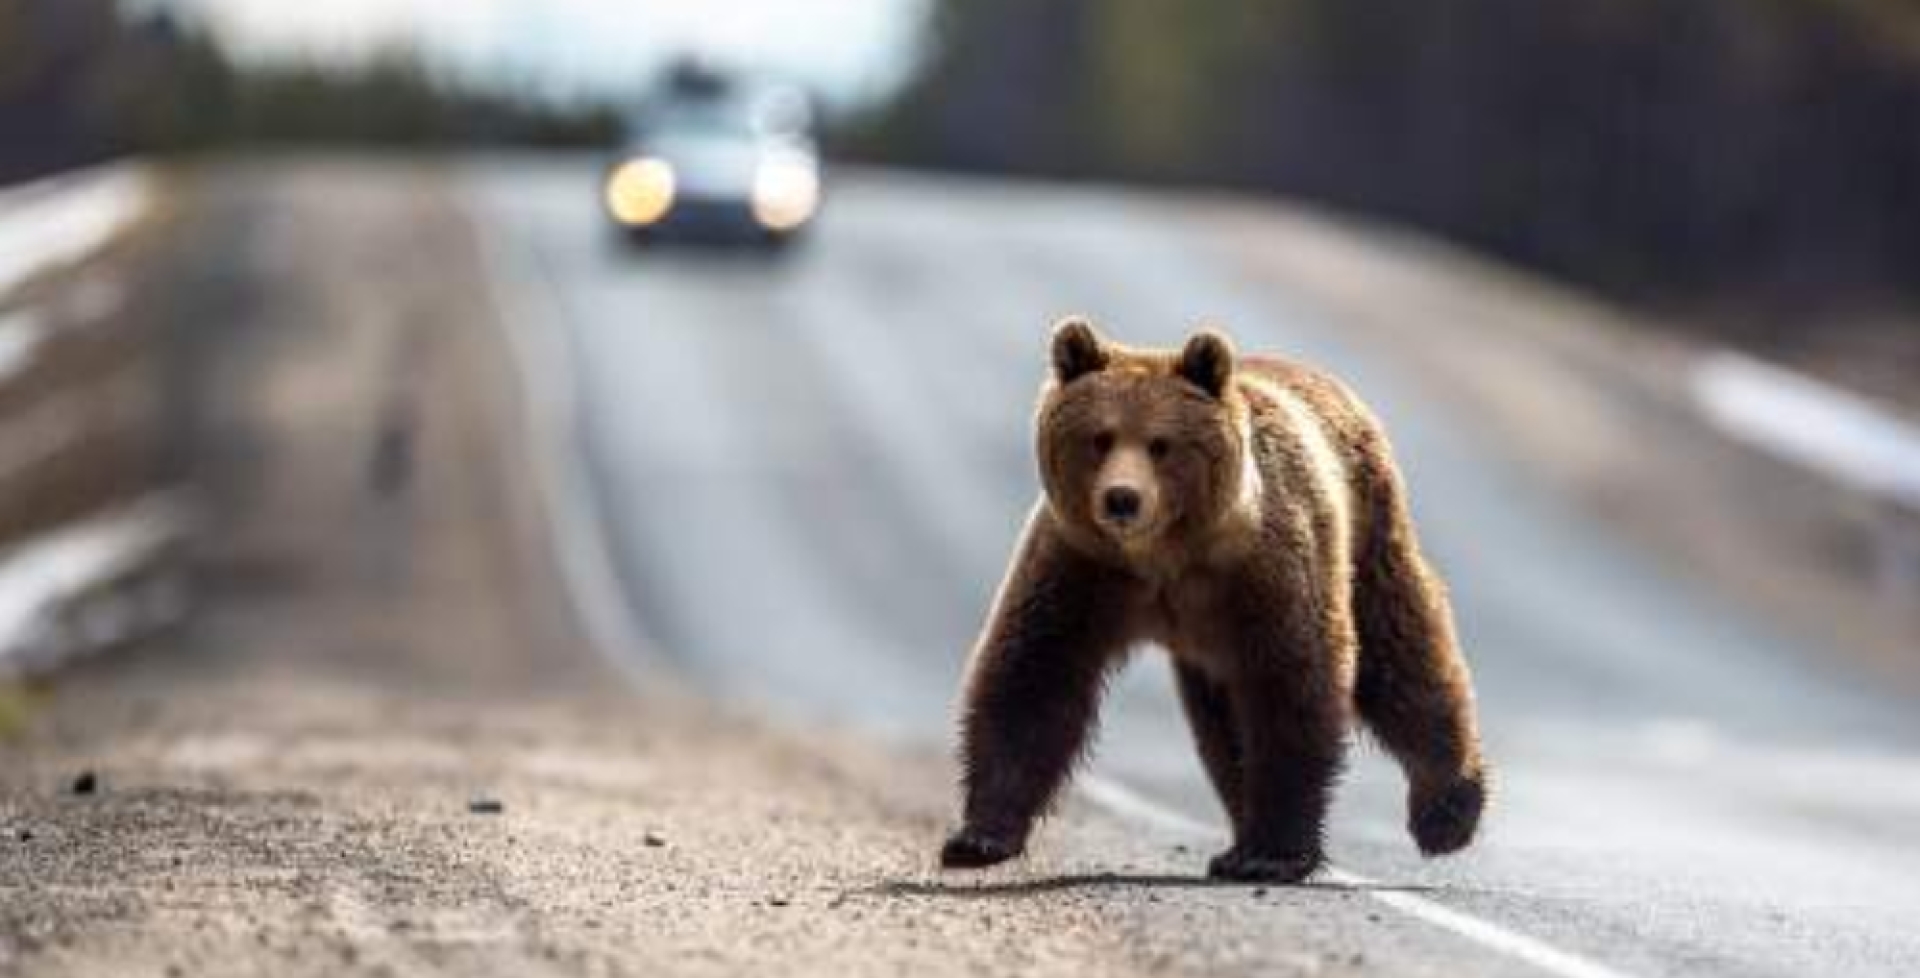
1077 349
1207 361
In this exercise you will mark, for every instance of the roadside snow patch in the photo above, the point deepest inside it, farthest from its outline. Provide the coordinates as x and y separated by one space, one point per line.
1832 431
44 578
60 220
20 335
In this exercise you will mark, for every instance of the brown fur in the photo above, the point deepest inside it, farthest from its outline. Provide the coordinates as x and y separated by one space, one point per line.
1247 515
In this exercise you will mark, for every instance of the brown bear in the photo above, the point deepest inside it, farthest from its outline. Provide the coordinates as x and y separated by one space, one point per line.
1246 514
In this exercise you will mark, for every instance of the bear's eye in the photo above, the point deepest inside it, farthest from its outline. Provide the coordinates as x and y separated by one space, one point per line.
1158 448
1103 442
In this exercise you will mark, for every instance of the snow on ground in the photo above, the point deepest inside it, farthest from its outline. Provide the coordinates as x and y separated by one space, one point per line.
46 226
20 335
60 220
1838 433
40 580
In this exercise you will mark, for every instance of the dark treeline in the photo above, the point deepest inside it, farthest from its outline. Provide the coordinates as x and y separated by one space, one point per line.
1644 145
80 80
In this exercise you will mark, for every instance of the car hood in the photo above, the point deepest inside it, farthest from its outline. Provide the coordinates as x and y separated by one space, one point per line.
706 166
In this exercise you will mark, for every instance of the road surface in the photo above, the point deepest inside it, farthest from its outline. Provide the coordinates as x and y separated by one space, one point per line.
809 473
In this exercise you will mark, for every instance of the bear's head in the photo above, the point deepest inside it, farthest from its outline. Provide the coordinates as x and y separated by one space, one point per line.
1141 449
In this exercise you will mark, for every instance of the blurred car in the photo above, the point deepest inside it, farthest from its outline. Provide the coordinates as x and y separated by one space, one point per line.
714 158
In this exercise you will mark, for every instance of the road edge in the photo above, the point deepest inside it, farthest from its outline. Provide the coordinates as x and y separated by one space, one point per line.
550 419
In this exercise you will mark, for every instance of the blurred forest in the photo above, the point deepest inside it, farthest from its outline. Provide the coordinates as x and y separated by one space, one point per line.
1647 146
1652 147
80 80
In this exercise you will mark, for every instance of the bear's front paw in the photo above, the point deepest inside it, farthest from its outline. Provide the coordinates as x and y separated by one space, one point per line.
1241 865
1444 822
973 849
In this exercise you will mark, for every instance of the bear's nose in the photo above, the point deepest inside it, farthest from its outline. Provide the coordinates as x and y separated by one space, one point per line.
1121 503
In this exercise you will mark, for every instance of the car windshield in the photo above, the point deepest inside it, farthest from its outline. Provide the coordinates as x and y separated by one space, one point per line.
715 121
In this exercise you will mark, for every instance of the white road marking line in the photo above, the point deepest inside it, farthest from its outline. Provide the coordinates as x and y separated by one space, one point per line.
1129 804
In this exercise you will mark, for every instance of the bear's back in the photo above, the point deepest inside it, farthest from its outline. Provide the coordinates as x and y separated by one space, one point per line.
1366 458
1346 420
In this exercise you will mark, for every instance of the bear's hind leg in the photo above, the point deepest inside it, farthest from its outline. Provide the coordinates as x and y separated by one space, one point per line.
1209 709
1414 691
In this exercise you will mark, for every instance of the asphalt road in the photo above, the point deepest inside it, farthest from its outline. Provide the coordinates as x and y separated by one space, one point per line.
811 471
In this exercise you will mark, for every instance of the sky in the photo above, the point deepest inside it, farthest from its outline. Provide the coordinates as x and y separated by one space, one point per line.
846 49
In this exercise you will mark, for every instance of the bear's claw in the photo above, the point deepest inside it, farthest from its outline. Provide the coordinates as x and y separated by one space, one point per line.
970 849
1240 866
1446 822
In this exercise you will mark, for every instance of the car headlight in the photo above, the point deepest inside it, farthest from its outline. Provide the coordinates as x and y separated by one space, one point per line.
640 191
786 192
